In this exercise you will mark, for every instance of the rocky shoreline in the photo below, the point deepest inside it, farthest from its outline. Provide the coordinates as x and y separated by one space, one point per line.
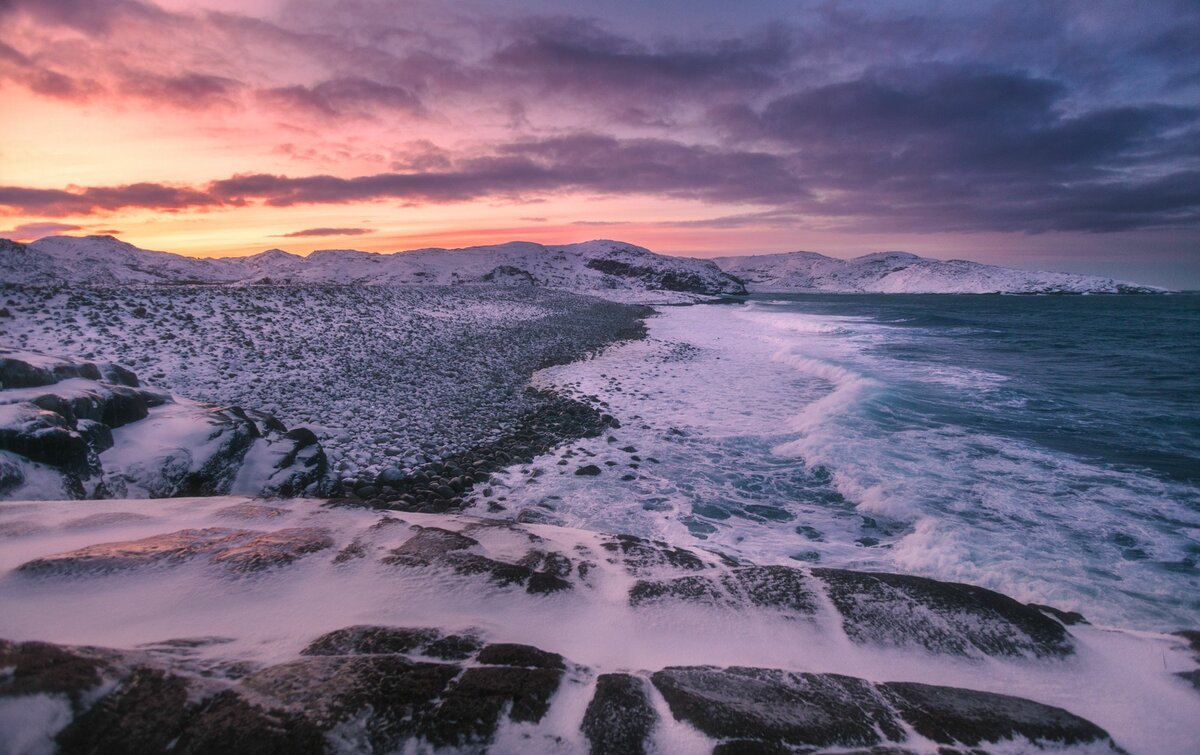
444 402
449 632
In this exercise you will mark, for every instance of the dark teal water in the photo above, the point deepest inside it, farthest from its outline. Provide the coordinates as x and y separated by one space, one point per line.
1049 446
1115 380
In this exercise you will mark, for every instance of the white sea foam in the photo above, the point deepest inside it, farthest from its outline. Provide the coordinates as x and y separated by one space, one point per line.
807 415
1120 680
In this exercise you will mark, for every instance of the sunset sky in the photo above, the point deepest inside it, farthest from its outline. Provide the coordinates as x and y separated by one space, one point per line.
1055 135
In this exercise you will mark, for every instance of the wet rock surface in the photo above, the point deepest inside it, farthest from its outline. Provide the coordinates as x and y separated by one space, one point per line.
619 717
641 556
777 706
434 546
778 588
489 658
754 708
968 717
328 700
902 610
235 550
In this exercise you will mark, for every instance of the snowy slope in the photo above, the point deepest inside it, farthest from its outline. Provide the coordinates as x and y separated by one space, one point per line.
903 273
611 269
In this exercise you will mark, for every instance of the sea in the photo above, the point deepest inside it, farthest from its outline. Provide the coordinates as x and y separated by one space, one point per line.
1044 446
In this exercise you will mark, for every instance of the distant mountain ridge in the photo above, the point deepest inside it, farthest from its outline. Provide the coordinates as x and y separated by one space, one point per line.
611 269
904 273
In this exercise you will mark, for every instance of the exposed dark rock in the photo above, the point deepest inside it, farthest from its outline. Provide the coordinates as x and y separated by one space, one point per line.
10 474
429 545
641 556
512 654
228 724
588 470
778 587
689 589
668 280
510 275
550 562
453 647
1191 677
472 710
15 373
98 435
814 710
144 714
41 668
394 694
45 437
124 405
371 640
943 617
1193 638
436 546
959 716
619 717
118 375
1068 618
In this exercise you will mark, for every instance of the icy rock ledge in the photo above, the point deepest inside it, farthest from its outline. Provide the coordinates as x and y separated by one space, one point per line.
379 689
76 429
233 625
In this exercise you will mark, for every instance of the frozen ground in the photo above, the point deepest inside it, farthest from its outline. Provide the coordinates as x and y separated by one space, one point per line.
388 377
334 621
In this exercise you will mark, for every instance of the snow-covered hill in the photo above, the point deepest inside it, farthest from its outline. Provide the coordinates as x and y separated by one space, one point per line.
612 269
903 273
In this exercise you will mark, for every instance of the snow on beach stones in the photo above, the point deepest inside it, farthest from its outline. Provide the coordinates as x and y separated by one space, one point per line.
407 387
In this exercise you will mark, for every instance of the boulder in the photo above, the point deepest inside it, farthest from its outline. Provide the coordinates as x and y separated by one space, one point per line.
619 718
944 617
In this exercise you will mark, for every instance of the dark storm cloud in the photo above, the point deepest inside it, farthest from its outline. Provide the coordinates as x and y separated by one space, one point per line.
25 71
309 232
584 162
30 231
579 55
342 96
1013 116
57 202
92 17
188 90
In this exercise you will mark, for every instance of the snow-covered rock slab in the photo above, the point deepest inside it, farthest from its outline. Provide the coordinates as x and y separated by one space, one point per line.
75 429
904 273
236 625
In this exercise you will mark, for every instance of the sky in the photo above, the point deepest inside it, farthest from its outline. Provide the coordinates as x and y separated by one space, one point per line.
1054 134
